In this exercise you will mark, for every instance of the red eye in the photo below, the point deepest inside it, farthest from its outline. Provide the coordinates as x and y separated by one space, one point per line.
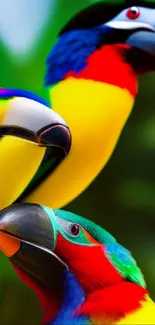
133 13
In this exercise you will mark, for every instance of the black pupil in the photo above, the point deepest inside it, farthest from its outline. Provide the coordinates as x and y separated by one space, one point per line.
75 230
134 11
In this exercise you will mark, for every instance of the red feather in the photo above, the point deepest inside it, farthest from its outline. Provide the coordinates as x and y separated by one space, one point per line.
113 302
50 303
89 264
109 295
108 65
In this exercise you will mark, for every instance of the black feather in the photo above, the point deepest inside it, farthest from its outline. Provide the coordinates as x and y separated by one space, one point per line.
100 13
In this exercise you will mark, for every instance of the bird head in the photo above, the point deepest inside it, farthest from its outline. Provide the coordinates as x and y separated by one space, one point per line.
130 24
76 268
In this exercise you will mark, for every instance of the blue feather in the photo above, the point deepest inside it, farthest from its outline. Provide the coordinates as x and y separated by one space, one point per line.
73 298
122 259
11 93
70 53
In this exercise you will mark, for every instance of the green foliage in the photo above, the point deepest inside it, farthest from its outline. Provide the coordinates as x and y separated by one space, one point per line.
121 199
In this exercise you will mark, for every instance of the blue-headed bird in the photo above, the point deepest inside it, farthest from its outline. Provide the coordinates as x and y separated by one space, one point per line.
80 273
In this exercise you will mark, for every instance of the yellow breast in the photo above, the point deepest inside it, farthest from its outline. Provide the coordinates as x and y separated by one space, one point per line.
143 316
96 113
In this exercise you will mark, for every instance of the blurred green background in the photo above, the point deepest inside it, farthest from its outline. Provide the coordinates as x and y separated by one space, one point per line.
122 198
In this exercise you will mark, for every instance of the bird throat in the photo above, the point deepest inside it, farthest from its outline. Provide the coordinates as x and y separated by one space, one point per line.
106 306
108 64
73 298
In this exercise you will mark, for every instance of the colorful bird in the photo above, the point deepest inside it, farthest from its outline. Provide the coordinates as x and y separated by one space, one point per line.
80 273
32 137
92 77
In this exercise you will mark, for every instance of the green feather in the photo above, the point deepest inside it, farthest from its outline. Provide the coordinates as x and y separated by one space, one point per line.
96 231
122 259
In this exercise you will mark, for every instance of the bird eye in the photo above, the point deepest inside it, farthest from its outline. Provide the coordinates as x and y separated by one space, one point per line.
70 228
75 229
133 13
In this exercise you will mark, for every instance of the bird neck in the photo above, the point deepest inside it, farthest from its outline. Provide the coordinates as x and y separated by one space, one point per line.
72 300
109 65
89 58
105 306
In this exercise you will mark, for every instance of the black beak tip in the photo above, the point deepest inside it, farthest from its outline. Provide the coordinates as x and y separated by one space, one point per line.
58 135
13 215
28 222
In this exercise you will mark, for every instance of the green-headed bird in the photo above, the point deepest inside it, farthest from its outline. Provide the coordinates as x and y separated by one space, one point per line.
80 273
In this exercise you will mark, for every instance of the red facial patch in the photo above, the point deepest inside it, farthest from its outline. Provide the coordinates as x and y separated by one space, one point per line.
108 65
89 264
109 295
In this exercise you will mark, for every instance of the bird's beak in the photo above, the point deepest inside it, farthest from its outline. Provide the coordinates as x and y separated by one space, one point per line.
143 40
35 122
27 237
141 32
28 130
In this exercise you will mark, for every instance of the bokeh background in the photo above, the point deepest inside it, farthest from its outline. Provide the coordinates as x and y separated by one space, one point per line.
122 198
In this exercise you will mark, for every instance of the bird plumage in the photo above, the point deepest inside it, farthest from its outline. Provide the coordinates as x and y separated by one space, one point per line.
95 132
125 263
78 270
8 94
80 273
91 76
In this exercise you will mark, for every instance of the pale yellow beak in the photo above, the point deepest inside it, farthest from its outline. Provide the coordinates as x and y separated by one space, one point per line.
27 128
19 162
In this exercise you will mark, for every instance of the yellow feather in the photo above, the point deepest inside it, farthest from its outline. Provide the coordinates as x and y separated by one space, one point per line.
96 113
142 316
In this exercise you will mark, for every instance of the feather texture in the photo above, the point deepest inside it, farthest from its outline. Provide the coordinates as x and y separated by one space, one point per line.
100 234
70 53
73 297
122 259
6 93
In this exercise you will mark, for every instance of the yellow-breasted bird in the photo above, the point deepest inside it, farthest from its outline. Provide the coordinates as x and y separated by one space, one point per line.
80 273
92 77
33 137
